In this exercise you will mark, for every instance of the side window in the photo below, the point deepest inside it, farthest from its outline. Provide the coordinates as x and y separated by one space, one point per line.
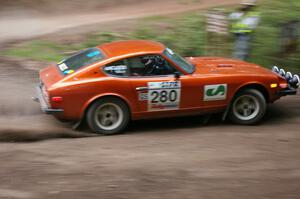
150 65
117 68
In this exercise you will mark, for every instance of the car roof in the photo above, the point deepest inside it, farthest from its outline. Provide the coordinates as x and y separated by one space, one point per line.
119 48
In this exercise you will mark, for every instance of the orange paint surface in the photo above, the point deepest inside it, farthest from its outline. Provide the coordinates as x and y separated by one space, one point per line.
90 83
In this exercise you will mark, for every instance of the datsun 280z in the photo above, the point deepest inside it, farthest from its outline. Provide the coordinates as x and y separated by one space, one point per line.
114 83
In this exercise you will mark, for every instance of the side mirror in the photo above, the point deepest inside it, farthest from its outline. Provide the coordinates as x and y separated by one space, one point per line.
177 74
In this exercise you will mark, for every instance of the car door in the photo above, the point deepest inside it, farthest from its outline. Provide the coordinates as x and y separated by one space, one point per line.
157 91
192 85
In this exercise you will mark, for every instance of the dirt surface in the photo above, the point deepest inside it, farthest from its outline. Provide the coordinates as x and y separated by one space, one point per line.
20 25
167 158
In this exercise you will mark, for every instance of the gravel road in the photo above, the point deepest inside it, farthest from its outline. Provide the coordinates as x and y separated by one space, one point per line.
167 158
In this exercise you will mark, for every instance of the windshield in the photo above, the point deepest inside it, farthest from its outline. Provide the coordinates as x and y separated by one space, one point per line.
181 62
83 58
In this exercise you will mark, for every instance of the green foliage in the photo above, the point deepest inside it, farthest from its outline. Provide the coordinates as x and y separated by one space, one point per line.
52 51
186 35
37 50
93 40
266 45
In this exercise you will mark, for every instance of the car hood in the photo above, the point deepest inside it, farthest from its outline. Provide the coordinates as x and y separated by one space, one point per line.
50 75
217 65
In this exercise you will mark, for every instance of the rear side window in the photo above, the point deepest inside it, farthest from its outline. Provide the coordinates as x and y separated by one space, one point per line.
117 68
83 58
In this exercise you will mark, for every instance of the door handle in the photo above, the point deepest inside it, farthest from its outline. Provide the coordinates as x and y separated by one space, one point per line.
141 88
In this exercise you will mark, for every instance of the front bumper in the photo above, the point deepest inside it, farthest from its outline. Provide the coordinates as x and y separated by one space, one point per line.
44 106
288 91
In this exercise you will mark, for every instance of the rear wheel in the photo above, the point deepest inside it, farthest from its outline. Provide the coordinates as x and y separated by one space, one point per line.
248 107
108 116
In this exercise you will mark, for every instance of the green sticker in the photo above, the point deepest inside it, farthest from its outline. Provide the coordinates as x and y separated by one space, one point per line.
220 90
215 92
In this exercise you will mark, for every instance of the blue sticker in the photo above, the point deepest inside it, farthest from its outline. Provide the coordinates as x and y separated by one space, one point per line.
92 54
67 72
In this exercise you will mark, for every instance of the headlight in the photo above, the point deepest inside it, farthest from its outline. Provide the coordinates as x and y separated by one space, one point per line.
288 76
282 72
296 81
275 69
292 80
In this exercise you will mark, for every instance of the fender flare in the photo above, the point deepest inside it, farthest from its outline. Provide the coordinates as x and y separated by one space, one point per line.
254 85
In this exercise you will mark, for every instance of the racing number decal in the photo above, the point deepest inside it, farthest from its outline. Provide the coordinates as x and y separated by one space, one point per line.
163 95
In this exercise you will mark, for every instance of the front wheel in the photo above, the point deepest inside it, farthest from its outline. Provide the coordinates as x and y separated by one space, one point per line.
248 107
108 116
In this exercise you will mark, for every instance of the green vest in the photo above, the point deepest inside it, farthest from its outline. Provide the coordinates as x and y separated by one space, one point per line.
239 27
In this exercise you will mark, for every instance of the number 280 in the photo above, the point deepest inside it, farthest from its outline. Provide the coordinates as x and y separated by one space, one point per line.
164 96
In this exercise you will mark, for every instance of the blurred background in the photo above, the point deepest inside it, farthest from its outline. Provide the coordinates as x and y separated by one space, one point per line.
50 30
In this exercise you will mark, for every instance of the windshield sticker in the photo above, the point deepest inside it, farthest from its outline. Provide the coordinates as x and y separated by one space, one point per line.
215 92
67 72
164 95
63 67
93 54
121 69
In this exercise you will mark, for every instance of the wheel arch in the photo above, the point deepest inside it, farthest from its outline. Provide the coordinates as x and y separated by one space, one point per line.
254 85
96 98
257 86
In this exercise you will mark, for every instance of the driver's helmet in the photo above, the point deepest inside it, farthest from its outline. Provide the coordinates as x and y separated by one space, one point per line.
147 60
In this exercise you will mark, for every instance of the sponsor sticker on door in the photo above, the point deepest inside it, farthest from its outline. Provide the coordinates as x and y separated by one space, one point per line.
215 92
163 95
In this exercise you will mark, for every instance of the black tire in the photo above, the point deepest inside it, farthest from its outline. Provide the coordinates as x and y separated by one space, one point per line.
248 107
97 116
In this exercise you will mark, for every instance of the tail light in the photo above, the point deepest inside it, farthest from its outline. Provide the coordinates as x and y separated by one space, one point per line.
57 99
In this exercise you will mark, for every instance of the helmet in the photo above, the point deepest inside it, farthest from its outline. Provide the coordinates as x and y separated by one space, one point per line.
249 2
146 60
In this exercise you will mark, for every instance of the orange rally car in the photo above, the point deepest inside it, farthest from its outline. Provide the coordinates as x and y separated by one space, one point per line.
116 82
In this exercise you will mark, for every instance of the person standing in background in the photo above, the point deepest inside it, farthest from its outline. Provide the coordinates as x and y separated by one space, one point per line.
243 24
